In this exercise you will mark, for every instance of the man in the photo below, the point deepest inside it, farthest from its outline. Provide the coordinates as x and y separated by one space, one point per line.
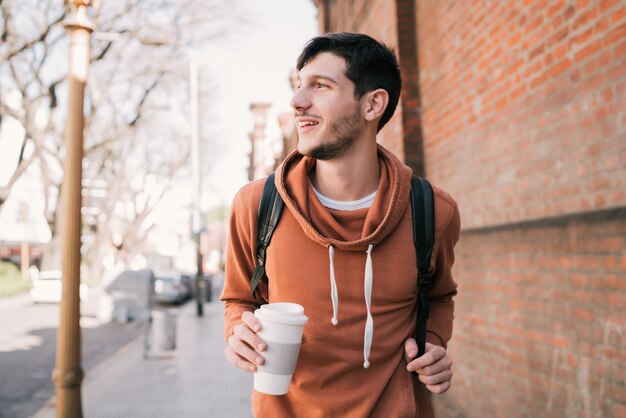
344 250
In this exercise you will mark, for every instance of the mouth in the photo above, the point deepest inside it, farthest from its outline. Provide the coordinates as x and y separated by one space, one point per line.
306 124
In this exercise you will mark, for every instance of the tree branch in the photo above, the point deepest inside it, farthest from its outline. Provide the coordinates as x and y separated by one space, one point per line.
21 167
30 44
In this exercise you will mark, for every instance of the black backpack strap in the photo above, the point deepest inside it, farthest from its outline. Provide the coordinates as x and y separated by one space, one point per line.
422 203
270 209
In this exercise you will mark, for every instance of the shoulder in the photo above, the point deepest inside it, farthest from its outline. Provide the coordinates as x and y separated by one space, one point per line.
249 195
245 207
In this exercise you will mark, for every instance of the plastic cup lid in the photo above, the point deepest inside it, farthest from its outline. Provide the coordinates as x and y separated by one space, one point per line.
282 312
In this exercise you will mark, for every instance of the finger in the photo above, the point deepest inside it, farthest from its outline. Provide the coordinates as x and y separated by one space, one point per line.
436 379
433 353
410 349
237 361
251 321
243 332
441 388
244 351
442 364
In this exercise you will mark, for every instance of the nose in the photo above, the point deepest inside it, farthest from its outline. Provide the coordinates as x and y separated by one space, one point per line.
300 100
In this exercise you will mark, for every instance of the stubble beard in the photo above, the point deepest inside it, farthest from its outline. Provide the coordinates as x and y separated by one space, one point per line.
344 132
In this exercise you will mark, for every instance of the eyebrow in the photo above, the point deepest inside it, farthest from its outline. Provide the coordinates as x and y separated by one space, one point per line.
318 77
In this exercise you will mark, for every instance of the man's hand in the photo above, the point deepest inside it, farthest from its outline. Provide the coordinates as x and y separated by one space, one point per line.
434 367
239 349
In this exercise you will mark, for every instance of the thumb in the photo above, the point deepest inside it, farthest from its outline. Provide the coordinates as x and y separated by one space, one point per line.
410 349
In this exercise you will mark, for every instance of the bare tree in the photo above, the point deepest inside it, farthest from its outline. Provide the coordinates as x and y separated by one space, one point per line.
136 102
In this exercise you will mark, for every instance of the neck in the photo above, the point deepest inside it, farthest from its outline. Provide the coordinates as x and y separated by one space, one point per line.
352 176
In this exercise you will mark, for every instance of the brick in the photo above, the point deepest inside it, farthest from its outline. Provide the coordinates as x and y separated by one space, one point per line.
556 8
583 314
535 23
598 63
582 38
514 39
557 36
616 392
515 94
618 15
617 71
606 4
560 67
537 81
601 26
614 282
591 83
620 51
560 50
616 34
585 18
619 410
536 51
589 50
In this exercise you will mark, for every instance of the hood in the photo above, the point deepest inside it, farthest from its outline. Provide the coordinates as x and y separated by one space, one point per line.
317 222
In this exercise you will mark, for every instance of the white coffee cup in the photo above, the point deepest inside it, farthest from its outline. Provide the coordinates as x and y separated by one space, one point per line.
282 328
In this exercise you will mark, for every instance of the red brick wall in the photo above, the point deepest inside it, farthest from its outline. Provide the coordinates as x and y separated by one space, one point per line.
522 111
524 117
524 105
541 316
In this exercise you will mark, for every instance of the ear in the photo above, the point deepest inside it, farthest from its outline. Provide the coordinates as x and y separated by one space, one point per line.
375 104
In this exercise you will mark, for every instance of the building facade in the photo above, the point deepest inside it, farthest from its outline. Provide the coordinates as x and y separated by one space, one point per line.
518 110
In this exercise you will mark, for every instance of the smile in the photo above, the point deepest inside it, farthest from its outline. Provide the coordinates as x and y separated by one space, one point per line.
306 124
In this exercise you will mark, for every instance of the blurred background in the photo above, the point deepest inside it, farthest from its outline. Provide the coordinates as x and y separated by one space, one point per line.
516 108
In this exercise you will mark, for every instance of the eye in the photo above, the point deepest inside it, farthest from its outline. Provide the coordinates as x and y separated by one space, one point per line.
321 85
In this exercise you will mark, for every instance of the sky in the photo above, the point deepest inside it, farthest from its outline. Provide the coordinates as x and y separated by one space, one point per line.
252 64
254 67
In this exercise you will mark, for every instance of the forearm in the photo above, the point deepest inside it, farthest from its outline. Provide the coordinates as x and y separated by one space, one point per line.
440 319
240 260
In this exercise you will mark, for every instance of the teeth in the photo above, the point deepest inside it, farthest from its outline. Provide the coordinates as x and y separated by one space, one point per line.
307 123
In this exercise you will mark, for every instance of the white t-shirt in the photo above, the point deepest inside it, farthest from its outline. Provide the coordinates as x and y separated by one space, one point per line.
362 203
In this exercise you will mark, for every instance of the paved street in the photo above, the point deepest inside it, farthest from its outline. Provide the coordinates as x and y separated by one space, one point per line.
194 381
28 345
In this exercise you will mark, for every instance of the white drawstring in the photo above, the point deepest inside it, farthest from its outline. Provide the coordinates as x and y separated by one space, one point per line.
369 323
367 283
333 285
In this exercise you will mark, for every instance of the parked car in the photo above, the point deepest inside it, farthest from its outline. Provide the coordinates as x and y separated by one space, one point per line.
47 288
169 288
189 281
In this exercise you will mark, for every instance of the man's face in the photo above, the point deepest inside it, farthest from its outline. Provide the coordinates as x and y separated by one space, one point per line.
328 117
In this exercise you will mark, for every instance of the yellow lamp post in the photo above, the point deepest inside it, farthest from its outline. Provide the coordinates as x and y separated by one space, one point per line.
68 373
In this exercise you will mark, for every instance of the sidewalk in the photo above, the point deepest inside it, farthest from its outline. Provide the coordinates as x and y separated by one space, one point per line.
196 381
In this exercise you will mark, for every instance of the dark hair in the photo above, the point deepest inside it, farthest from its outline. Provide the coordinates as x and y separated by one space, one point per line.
370 65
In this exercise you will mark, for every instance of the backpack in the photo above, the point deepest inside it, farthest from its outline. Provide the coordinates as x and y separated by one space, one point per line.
423 208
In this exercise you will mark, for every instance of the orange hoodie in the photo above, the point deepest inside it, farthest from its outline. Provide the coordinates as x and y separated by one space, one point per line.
330 262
